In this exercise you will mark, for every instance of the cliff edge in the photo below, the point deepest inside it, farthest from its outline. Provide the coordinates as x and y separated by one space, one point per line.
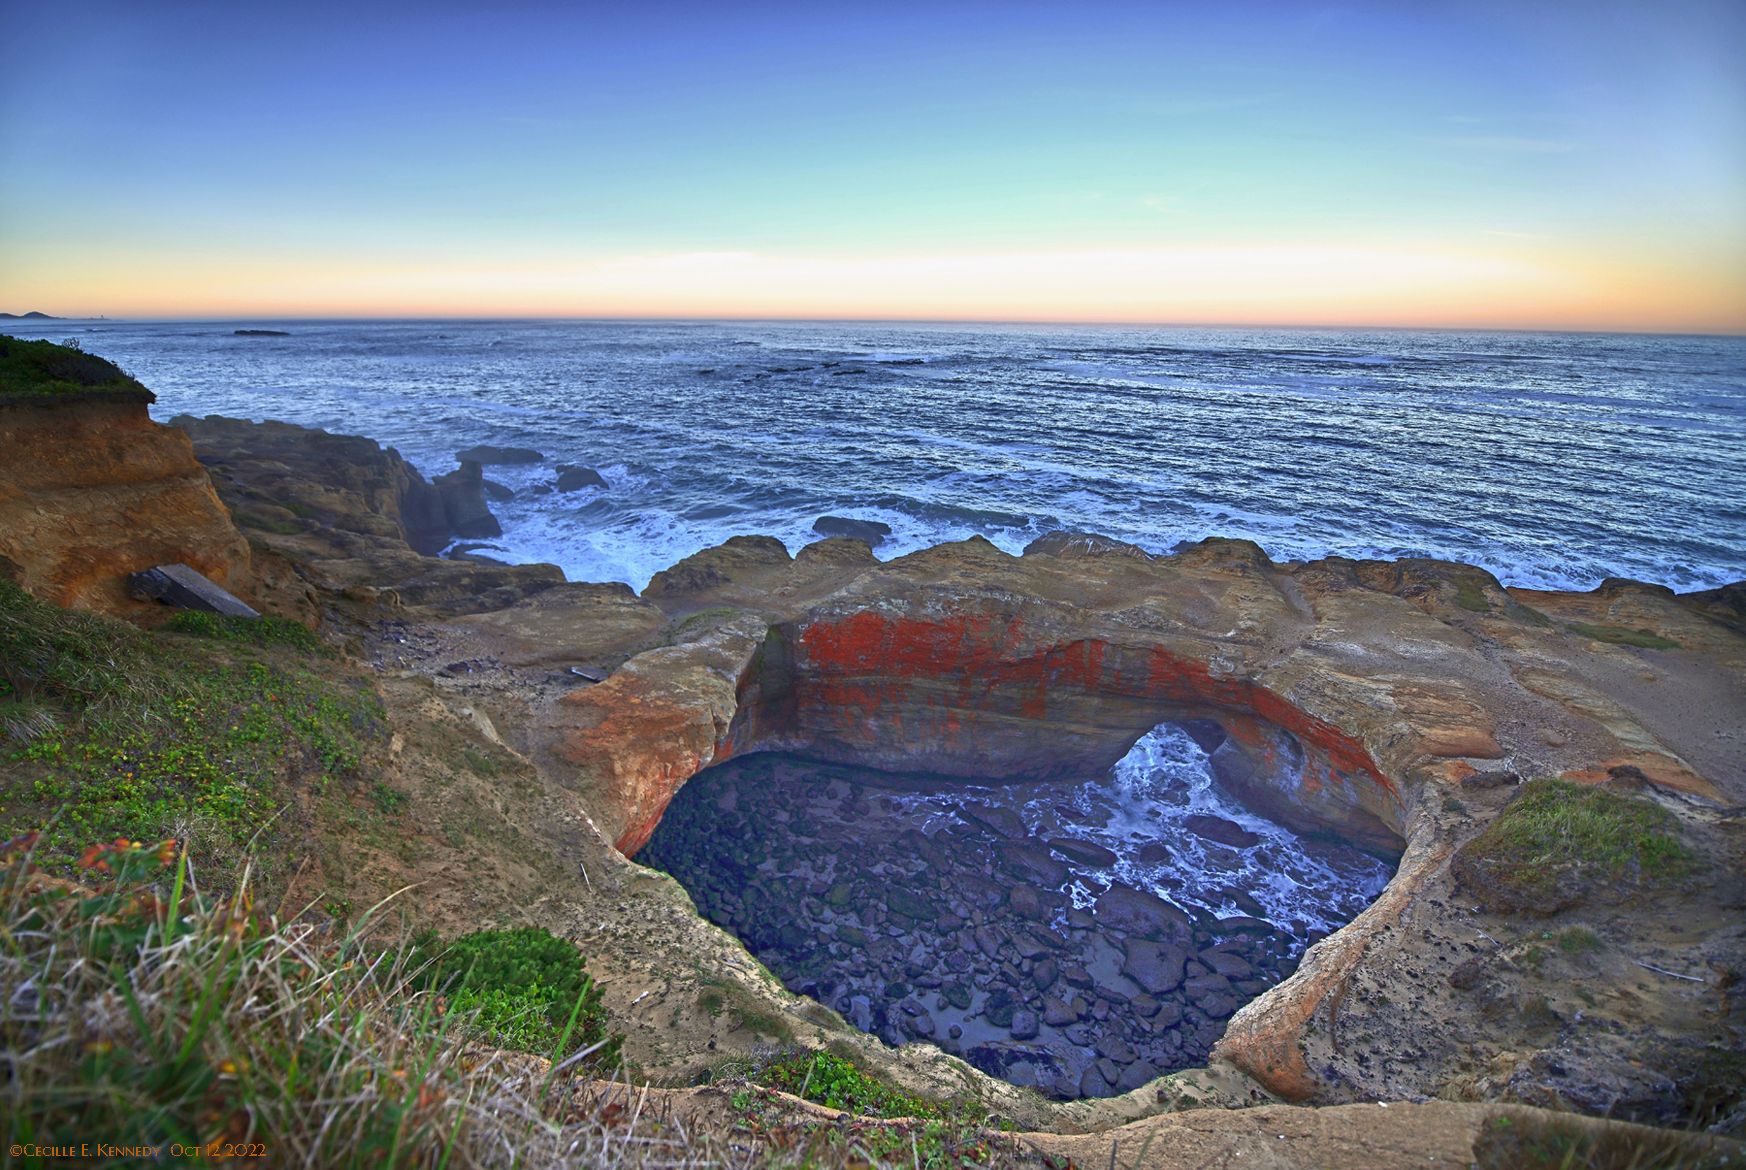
91 489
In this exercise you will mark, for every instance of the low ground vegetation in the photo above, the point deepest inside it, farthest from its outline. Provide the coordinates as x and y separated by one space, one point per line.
1557 843
44 369
215 730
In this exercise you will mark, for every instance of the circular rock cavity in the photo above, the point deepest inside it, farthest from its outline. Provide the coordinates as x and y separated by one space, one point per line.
1080 936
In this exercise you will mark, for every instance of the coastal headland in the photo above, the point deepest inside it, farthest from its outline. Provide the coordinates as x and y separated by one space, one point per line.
1421 710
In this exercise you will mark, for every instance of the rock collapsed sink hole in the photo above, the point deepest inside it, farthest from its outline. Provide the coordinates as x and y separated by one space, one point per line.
1081 937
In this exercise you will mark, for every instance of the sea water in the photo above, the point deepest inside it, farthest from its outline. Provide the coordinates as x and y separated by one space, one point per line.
1552 460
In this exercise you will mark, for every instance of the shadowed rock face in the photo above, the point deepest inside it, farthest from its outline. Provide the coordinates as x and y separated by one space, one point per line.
92 490
354 515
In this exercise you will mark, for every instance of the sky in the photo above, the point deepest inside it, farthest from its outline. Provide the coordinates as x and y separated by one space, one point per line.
1515 164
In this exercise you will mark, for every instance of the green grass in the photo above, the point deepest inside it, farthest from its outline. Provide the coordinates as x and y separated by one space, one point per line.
526 990
110 731
1579 940
1534 1142
1556 841
1469 596
263 631
40 369
143 1012
1620 636
885 1125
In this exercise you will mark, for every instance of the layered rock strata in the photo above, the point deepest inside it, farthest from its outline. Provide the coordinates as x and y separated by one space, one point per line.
91 490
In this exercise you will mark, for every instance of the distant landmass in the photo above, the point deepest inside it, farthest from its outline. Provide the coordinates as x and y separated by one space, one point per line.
261 333
30 316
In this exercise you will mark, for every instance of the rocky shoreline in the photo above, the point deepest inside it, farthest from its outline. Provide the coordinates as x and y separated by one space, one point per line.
1379 702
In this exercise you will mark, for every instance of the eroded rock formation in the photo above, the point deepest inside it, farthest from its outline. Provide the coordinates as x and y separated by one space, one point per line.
91 489
1353 698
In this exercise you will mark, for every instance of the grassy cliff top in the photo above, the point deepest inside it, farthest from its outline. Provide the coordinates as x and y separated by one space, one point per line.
42 370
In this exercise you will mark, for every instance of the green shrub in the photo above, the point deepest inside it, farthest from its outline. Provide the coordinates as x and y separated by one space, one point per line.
1579 940
838 1083
527 989
41 368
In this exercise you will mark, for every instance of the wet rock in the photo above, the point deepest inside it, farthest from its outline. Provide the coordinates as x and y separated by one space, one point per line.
1115 1048
1085 852
1138 912
901 901
1207 733
1076 975
1057 1014
462 493
1218 1006
1226 964
1247 904
1156 968
873 532
922 1025
1196 986
997 819
1242 924
1044 974
1025 902
1024 1024
1135 1075
1219 829
498 492
1092 1083
1154 853
1030 860
572 478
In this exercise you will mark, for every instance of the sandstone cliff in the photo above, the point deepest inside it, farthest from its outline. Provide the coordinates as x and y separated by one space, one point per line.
91 489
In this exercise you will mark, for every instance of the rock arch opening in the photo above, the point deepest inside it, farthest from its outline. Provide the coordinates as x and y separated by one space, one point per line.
1069 862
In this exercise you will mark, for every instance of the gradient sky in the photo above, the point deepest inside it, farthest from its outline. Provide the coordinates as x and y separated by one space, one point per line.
1518 164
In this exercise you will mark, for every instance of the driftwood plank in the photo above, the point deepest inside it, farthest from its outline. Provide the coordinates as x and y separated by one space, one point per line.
186 588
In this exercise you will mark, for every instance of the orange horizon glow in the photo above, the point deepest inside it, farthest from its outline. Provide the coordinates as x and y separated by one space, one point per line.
1279 285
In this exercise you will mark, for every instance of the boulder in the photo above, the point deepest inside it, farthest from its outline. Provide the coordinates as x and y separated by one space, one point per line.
572 478
1141 913
1155 968
871 532
1223 831
1085 852
462 492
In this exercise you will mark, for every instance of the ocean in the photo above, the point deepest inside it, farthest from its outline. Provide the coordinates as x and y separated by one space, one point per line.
1551 459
